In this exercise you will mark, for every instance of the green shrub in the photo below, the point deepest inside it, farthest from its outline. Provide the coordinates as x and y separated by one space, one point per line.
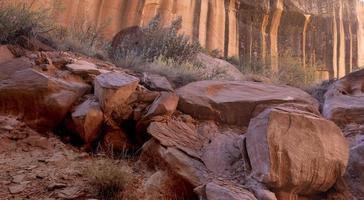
158 41
108 177
19 19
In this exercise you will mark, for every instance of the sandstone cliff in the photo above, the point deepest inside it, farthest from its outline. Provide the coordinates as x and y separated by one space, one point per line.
328 33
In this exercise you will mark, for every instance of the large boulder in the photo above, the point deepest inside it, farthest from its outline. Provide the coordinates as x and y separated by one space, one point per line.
113 90
296 152
87 120
40 100
235 103
344 101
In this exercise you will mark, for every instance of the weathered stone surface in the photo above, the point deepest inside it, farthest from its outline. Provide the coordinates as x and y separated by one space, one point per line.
83 68
344 101
235 102
41 101
226 192
354 176
12 66
165 104
116 140
88 119
113 89
218 68
296 152
156 82
5 54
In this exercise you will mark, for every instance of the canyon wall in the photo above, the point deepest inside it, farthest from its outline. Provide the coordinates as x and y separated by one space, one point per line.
327 34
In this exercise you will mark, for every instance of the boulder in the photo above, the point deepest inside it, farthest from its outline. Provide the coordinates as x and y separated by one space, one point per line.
344 100
156 82
81 67
234 102
40 100
88 119
5 54
112 90
354 176
165 104
296 152
10 67
218 68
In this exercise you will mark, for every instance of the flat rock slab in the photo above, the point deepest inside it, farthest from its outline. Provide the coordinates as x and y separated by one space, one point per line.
235 102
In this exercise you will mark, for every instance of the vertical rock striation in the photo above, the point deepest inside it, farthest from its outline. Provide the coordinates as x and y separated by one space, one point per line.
327 34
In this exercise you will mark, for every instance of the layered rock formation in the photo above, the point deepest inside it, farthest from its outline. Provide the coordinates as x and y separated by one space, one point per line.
327 34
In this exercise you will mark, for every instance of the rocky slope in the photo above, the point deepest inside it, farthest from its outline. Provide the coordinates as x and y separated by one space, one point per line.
208 140
327 34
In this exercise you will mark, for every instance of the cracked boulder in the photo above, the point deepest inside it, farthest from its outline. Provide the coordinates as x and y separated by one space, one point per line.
235 103
295 152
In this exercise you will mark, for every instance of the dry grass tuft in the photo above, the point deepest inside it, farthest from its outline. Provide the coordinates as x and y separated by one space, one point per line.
108 177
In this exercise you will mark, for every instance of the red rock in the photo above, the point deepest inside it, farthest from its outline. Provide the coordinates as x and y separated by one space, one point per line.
354 176
234 102
41 101
344 101
165 104
296 152
156 82
116 140
112 90
88 119
5 54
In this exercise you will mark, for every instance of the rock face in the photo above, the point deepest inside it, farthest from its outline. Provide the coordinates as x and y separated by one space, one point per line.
296 153
214 100
321 33
344 101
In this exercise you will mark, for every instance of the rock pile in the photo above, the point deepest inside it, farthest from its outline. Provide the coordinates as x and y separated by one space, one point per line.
219 139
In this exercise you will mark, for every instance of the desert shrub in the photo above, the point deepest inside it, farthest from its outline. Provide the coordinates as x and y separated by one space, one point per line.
19 19
158 41
108 177
83 37
290 71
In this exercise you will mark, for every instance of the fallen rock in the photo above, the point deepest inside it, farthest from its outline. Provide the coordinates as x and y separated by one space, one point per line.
112 90
41 101
296 152
15 189
234 102
81 67
88 119
165 104
5 54
156 82
344 100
